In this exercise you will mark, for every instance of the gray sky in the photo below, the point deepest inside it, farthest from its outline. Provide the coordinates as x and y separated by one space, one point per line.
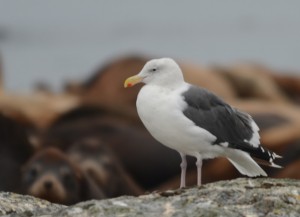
55 40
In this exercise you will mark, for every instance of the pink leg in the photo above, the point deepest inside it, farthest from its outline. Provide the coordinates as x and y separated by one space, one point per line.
199 168
183 166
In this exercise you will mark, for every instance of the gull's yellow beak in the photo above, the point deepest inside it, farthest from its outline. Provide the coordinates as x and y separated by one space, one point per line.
131 81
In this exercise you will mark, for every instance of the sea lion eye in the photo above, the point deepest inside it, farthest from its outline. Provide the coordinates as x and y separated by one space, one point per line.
33 172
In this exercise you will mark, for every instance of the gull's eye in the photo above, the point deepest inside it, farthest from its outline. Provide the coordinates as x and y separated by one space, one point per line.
153 70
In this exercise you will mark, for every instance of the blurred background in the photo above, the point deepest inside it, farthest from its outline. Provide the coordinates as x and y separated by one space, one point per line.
70 132
56 40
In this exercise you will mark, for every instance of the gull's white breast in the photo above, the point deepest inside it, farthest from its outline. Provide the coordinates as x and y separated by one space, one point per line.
160 110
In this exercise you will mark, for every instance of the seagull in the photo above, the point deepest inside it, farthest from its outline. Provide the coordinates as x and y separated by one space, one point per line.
194 121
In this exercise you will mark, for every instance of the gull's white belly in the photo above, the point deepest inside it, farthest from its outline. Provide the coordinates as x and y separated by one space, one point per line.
161 112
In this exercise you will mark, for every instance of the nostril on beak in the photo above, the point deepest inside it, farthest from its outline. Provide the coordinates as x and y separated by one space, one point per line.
48 185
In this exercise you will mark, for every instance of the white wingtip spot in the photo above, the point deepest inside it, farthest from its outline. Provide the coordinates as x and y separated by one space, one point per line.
224 144
254 141
277 156
275 165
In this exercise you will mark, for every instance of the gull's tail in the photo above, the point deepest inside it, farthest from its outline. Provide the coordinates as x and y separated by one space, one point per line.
244 163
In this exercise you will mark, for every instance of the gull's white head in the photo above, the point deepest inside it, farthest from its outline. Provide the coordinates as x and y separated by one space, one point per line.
163 72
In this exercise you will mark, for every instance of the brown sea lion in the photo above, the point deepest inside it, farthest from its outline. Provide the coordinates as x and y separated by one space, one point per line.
97 161
52 176
15 150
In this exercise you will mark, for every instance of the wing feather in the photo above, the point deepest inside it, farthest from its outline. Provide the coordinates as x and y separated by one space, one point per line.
228 124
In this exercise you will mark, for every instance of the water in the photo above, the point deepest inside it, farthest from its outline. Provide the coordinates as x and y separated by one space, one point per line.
57 40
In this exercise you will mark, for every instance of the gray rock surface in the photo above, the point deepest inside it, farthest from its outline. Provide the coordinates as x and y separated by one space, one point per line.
14 205
239 197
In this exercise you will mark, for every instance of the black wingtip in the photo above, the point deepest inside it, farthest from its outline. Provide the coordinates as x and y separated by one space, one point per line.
260 154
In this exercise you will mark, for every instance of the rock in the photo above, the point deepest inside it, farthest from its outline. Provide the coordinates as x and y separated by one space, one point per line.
239 197
12 204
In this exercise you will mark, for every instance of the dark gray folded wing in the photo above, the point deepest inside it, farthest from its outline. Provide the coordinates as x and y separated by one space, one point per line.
228 124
